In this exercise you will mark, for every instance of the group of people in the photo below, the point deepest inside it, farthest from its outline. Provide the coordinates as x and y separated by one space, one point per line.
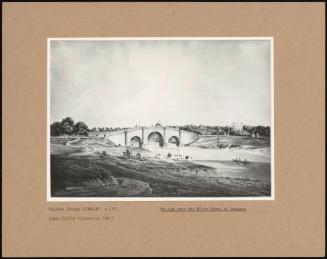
130 154
176 157
239 160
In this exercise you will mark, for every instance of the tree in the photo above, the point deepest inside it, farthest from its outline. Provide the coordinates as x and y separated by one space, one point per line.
56 129
261 130
67 125
80 128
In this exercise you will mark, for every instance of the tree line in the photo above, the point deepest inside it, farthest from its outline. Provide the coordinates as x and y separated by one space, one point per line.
216 130
68 127
262 130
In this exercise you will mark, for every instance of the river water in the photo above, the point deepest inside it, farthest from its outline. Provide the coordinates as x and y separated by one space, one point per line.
220 159
207 155
259 159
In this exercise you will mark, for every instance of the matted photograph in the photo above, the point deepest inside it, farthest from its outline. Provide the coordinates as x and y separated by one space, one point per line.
160 119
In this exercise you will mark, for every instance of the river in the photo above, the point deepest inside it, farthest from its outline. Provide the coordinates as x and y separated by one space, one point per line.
221 160
198 154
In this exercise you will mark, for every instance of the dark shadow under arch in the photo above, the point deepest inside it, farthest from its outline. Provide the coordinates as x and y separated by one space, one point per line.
156 137
174 140
136 140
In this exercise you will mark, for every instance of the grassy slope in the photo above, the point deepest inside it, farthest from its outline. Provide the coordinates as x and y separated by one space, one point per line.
102 176
75 173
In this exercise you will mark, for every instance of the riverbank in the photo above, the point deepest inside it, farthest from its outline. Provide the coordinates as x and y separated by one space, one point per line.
92 176
93 167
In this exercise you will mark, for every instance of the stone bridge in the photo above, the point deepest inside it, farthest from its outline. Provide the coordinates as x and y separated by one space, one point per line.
143 136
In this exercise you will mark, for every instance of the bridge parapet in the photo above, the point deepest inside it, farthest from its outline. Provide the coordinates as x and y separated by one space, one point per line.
123 137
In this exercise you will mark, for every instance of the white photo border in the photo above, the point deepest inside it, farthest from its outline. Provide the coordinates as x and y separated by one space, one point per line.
97 199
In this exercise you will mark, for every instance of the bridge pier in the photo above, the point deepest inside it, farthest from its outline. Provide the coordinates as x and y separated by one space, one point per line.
180 137
143 136
126 137
164 137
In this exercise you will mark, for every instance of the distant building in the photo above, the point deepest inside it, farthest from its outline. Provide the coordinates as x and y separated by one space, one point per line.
237 126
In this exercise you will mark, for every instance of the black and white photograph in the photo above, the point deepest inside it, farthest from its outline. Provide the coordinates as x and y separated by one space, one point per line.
160 119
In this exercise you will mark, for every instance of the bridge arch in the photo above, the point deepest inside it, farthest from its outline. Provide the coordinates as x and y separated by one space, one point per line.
156 137
174 140
136 141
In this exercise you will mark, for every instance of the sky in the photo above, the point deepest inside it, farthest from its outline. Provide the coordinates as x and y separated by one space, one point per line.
125 83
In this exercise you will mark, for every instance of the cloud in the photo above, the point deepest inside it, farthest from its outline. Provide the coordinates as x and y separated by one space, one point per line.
123 83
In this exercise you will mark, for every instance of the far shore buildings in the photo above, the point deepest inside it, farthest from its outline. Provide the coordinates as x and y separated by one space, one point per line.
237 126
